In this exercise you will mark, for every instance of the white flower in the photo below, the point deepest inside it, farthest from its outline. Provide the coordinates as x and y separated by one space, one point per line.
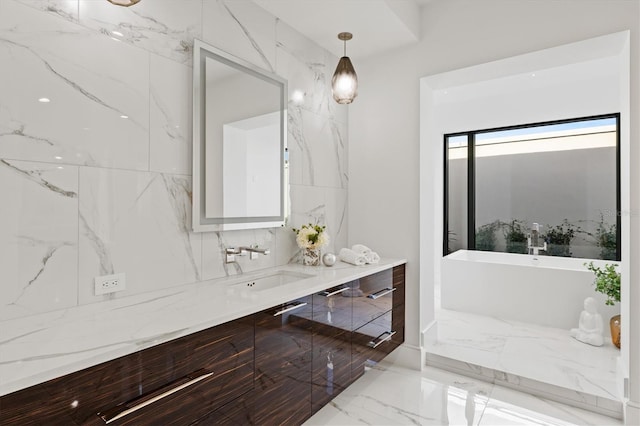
323 239
303 238
308 234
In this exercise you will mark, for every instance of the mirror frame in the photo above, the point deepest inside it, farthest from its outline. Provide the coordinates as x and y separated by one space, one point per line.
200 222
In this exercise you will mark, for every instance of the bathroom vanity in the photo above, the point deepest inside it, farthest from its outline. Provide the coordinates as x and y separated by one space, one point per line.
269 352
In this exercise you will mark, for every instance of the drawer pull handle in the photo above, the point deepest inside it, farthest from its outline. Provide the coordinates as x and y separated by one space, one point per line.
290 308
381 293
381 340
333 293
134 405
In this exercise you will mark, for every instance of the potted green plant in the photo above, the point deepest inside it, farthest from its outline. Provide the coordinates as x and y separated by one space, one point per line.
486 236
559 238
516 237
606 239
607 282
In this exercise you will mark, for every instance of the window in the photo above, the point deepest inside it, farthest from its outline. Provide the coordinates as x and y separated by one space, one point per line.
562 175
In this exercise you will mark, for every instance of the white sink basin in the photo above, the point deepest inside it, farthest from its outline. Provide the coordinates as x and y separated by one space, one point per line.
269 281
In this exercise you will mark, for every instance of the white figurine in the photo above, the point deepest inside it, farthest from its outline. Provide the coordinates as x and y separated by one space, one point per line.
590 324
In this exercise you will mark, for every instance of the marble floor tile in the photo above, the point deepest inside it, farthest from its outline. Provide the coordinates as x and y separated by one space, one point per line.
390 395
509 407
394 395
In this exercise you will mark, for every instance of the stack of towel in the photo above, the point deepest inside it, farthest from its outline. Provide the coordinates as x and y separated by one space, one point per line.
359 255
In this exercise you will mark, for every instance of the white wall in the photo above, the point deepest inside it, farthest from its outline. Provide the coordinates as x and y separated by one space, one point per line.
230 99
251 168
384 166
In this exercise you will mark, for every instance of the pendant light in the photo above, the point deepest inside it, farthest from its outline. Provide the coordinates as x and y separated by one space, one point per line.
344 83
125 3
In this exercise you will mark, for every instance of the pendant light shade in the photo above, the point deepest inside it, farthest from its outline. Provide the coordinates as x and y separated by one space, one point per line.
344 83
125 3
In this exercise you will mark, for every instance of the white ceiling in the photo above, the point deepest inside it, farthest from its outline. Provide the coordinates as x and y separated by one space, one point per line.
376 25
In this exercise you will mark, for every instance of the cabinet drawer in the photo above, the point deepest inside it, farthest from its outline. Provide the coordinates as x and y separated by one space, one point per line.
374 299
281 403
75 399
283 340
375 340
331 368
332 309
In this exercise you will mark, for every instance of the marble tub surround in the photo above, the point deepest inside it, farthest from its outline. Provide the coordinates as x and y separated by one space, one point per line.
542 360
41 347
437 397
98 63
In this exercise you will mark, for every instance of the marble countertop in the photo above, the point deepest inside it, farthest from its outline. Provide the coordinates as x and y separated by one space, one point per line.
42 347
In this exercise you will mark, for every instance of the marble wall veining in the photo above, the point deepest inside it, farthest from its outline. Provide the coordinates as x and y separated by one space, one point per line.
98 180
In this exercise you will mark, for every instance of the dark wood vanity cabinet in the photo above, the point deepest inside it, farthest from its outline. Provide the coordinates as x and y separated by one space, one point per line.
278 366
282 387
124 383
283 364
331 358
378 318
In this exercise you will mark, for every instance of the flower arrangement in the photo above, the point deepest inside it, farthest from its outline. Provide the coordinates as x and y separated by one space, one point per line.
310 238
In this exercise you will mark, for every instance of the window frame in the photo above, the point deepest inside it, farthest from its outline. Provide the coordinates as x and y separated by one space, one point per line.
471 178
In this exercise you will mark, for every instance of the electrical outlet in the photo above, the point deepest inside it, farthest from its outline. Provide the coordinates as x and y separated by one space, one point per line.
109 284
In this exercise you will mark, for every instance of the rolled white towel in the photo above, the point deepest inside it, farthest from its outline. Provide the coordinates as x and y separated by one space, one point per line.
361 248
350 256
372 257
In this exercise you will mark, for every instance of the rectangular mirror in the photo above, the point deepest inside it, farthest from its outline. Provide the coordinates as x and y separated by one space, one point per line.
239 134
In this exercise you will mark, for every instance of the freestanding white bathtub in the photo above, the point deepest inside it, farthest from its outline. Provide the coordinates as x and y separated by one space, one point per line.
544 290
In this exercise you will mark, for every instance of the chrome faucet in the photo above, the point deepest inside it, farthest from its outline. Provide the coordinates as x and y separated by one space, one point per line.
533 240
254 251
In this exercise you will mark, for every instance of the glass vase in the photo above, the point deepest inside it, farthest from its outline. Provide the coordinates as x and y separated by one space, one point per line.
311 257
614 325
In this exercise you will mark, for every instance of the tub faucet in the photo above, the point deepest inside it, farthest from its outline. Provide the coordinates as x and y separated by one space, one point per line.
533 240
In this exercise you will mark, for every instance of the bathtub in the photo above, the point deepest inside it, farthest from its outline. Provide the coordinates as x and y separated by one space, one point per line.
544 290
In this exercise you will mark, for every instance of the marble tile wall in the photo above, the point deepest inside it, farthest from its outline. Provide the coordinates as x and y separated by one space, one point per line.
98 180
